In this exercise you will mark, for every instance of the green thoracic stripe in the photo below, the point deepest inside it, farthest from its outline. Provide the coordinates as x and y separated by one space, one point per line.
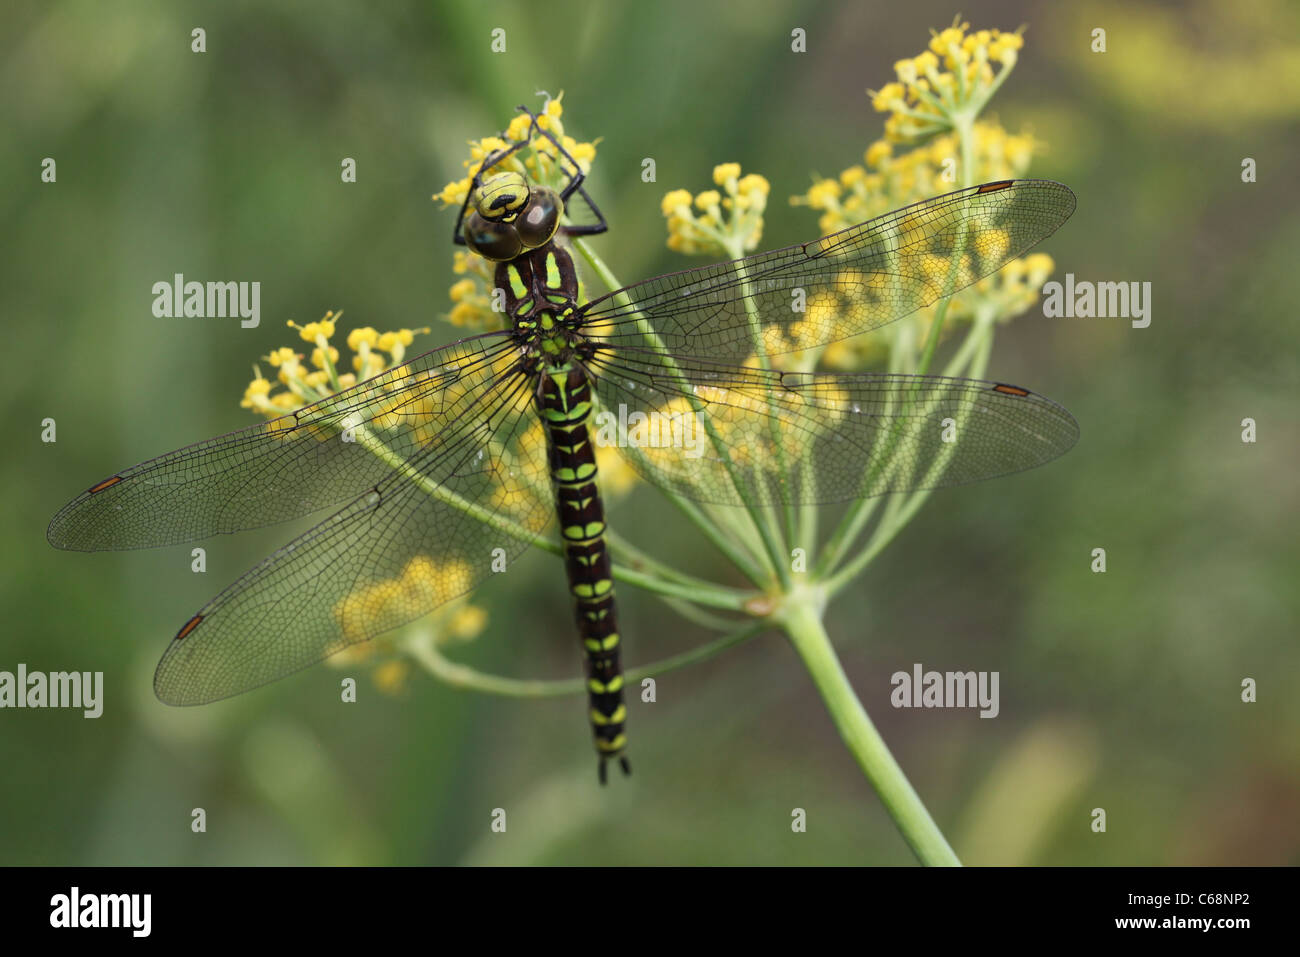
517 284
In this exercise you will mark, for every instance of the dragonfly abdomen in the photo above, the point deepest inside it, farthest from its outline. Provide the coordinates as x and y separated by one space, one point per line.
564 401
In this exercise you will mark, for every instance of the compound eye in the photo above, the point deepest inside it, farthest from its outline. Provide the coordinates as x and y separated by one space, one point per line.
498 242
501 196
540 218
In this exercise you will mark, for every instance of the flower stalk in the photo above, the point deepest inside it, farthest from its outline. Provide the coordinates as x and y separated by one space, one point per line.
801 620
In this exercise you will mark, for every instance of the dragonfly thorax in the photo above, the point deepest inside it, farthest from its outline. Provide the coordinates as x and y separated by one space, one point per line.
541 290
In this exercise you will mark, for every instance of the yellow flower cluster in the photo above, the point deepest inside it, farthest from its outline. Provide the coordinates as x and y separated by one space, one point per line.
421 582
938 95
1003 296
952 76
538 161
947 83
303 384
887 182
884 182
473 304
740 415
729 225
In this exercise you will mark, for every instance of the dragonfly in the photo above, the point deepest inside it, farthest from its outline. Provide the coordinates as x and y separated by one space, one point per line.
462 456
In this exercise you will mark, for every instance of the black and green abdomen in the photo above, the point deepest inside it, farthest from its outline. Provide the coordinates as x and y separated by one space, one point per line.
564 401
541 288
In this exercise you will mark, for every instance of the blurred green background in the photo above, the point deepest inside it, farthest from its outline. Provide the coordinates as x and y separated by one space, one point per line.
1119 691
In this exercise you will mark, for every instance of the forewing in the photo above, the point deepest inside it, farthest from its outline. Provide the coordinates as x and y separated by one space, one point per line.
287 467
835 287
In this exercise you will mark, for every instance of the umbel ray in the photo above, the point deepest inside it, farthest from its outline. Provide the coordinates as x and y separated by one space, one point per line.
476 446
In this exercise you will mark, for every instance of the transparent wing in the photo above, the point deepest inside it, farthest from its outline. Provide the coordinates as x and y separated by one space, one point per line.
320 455
731 436
838 286
422 536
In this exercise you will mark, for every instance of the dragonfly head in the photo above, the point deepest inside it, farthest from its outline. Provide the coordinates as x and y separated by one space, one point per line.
510 217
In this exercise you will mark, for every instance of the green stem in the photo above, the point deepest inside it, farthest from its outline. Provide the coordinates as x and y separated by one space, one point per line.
781 559
808 514
698 616
993 88
845 534
327 363
699 591
801 621
965 129
423 648
900 512
631 555
721 540
859 512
